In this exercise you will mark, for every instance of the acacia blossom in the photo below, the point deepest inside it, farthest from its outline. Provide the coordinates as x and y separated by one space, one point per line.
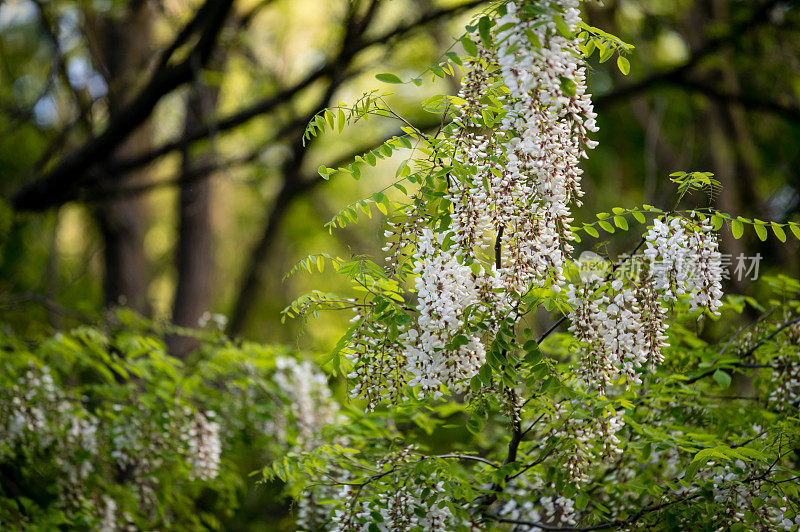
548 116
408 506
584 434
525 174
786 373
311 404
514 189
607 320
685 261
549 510
204 446
623 329
445 288
85 442
738 487
311 407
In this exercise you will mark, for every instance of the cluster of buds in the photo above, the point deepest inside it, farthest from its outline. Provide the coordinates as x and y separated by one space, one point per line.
400 235
378 373
585 435
545 130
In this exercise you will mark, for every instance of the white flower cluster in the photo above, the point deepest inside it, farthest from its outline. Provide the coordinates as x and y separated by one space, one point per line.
549 510
81 436
623 329
204 446
34 404
527 173
439 350
311 408
110 520
445 288
685 261
523 179
401 509
39 417
516 175
311 404
405 506
618 335
544 133
737 488
585 434
786 374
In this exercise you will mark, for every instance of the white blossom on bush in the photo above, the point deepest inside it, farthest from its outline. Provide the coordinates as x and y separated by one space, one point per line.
310 402
583 435
204 445
536 504
685 261
444 289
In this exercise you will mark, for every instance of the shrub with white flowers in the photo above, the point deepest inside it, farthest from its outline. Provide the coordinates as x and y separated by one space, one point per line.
100 429
503 420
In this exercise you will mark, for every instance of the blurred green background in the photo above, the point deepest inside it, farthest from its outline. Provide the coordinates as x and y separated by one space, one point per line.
151 151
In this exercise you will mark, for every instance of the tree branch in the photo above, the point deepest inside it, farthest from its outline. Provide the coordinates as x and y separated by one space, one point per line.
62 183
747 353
678 74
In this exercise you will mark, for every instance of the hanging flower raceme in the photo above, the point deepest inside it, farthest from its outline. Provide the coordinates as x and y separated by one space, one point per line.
606 318
786 375
685 260
204 446
548 116
622 330
550 507
591 440
520 126
311 404
521 176
445 288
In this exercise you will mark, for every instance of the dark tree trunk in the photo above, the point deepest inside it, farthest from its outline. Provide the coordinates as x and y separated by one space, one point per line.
194 254
121 49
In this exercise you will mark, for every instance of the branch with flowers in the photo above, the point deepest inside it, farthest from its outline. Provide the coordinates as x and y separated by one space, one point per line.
608 424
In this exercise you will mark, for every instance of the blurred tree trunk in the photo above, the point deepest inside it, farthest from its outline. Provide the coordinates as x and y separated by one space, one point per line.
121 50
194 254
